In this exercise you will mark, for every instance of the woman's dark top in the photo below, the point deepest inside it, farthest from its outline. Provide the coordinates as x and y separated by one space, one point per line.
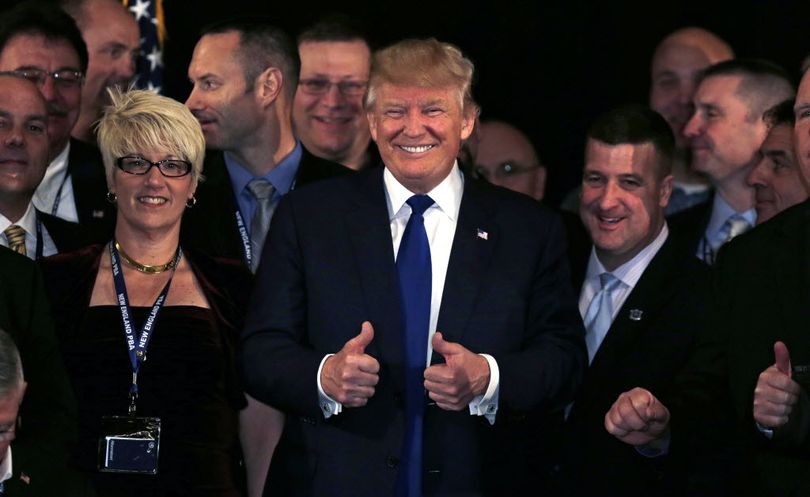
189 379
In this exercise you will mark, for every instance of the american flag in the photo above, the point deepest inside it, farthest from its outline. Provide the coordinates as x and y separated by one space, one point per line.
149 15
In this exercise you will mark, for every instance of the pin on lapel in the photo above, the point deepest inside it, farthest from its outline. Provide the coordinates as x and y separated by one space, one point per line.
635 314
483 235
97 214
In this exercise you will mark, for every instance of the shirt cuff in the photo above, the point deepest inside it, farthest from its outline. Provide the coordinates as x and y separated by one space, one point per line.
487 405
661 448
766 432
328 405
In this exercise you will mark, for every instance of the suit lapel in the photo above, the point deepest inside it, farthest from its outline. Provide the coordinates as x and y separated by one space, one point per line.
795 301
473 244
642 305
369 228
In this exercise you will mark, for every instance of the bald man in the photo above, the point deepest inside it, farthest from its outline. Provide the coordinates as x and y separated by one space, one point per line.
506 157
113 44
676 65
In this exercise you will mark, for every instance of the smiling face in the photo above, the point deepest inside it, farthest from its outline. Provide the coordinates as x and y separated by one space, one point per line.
33 51
113 42
418 131
222 101
622 202
776 178
151 201
332 125
23 140
724 137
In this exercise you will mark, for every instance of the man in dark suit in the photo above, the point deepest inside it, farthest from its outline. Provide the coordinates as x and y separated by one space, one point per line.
642 302
24 158
40 42
479 281
245 75
47 413
725 134
763 311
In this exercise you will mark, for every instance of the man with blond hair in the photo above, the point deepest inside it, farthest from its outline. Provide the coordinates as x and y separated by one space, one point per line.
409 320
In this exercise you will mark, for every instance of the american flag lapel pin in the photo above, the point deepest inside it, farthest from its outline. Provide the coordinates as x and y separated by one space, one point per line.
483 235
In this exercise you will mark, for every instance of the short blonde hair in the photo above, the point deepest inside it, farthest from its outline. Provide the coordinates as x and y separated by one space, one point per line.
423 63
139 120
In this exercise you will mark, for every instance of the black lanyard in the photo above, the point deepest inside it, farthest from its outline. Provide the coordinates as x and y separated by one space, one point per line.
137 349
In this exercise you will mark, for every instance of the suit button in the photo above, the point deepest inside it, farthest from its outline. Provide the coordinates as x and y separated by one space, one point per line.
392 462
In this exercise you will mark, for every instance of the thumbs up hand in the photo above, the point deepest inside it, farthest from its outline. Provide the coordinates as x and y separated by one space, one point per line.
776 393
638 418
462 377
350 375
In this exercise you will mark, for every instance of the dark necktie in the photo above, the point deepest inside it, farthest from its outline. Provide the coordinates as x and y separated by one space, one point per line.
16 238
415 278
262 190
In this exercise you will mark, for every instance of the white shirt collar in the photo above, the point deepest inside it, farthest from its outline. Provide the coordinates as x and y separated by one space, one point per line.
721 211
45 194
446 195
6 470
630 272
27 222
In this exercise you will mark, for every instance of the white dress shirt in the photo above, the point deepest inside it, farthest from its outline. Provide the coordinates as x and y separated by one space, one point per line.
56 177
440 226
6 470
628 273
28 222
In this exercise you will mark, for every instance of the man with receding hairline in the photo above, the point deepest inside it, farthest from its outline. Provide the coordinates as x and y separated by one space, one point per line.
506 157
412 322
675 70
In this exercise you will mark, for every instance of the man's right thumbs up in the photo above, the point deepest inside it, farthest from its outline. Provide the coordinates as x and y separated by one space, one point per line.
350 375
776 393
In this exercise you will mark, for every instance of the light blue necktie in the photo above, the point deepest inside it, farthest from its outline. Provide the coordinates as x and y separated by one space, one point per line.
599 315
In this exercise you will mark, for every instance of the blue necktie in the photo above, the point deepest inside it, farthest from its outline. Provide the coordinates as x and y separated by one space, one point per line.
599 315
415 278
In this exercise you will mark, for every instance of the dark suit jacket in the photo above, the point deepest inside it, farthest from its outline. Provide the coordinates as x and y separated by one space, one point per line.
210 226
48 408
763 290
647 351
87 176
329 266
66 236
690 224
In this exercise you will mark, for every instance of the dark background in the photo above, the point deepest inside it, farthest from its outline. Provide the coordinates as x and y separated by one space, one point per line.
547 67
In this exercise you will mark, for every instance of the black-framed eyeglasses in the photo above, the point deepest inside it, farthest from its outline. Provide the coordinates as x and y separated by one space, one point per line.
64 78
320 86
171 168
504 170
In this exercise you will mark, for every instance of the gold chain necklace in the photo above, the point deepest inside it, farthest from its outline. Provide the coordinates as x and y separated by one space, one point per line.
145 268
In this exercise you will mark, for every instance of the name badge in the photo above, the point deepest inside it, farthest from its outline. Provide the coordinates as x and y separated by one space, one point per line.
129 444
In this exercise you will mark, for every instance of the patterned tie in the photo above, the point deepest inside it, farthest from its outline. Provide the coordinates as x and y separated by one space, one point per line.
262 190
16 238
734 226
415 278
599 315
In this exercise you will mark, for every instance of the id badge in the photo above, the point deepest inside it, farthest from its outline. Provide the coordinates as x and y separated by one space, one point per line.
129 444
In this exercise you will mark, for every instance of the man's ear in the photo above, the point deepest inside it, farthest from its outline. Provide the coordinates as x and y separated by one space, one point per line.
665 191
372 124
269 85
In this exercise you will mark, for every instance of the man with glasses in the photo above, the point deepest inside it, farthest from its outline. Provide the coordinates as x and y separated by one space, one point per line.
506 157
328 107
245 74
41 43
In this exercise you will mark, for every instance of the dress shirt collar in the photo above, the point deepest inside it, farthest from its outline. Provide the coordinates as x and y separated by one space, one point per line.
28 221
45 194
721 211
446 195
629 272
6 466
281 177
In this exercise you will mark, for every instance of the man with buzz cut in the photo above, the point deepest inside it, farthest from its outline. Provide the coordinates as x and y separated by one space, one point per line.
725 134
245 74
409 320
642 301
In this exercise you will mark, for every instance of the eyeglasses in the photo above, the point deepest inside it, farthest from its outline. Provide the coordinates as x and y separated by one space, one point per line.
318 86
64 78
504 170
171 168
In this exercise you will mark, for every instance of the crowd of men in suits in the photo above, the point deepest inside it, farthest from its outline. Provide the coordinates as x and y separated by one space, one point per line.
418 326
